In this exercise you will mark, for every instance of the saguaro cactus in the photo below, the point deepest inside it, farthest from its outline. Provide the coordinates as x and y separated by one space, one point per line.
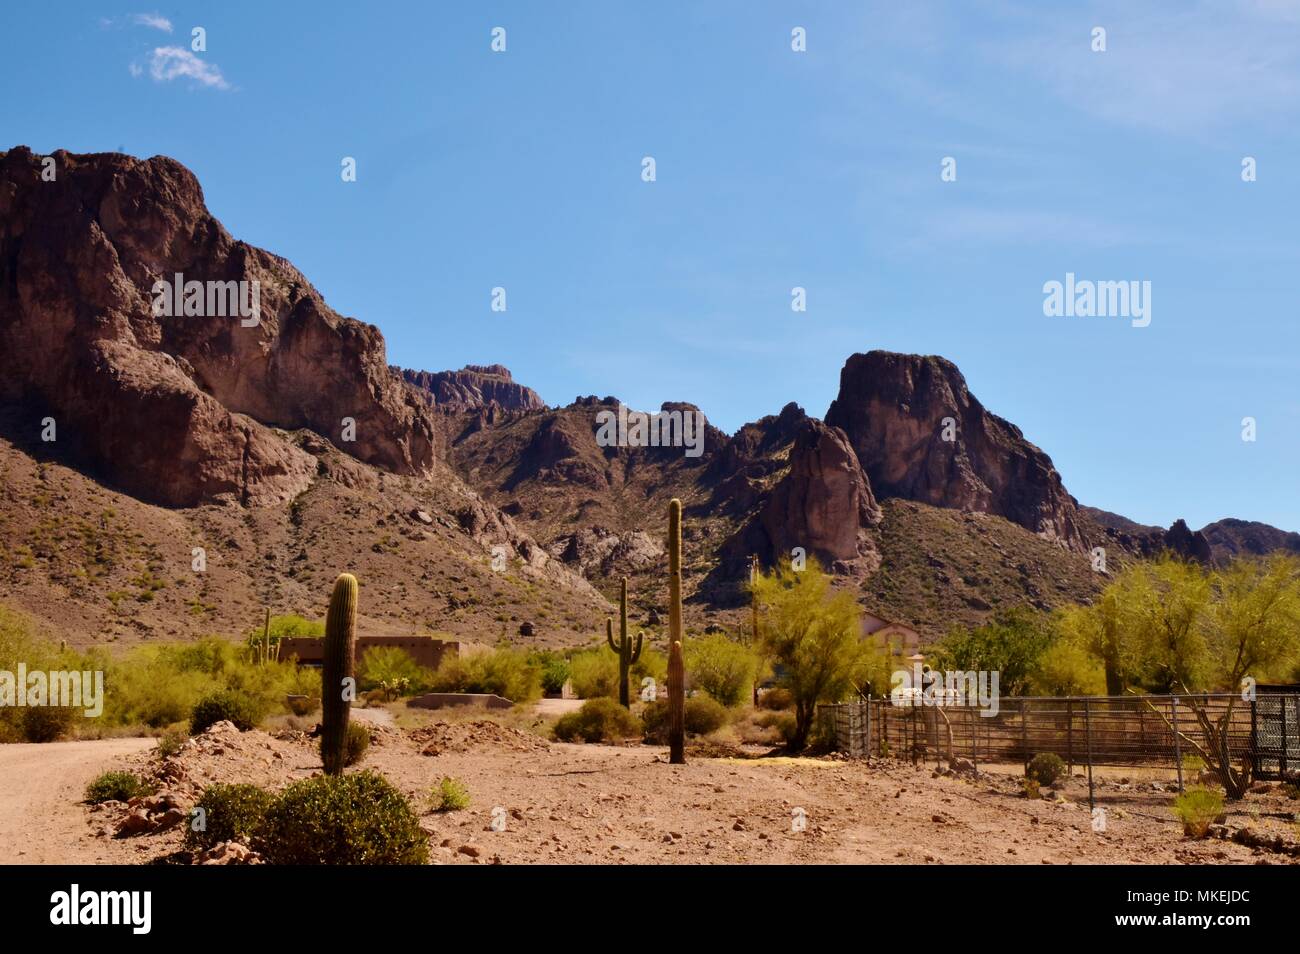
627 654
676 665
336 672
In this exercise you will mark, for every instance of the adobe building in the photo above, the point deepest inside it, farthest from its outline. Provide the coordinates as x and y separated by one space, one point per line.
899 638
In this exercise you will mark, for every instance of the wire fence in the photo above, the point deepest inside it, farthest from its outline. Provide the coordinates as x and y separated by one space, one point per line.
1262 734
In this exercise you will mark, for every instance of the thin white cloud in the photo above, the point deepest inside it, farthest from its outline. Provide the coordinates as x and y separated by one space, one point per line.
172 62
153 20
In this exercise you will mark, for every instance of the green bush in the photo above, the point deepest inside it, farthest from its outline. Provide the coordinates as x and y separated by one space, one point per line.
554 669
356 743
777 698
1045 768
236 707
504 671
703 715
782 721
116 787
47 723
1197 808
171 742
391 669
450 795
230 812
594 673
722 667
599 720
353 819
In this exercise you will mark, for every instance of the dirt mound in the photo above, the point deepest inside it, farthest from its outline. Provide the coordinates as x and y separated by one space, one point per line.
224 754
446 737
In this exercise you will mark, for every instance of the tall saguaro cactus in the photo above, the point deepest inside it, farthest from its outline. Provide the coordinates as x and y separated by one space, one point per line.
336 672
627 654
676 665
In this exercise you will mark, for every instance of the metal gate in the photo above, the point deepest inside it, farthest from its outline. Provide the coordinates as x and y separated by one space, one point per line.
1275 732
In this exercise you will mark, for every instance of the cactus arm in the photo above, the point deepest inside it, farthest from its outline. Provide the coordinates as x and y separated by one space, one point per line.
609 633
636 653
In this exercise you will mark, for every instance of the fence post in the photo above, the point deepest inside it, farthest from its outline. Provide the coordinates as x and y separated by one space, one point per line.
914 708
1282 764
975 739
1178 744
1024 732
867 704
1087 734
1069 736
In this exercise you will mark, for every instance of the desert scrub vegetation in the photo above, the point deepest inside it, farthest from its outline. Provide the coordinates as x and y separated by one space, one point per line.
116 787
449 795
392 671
1045 768
354 819
1198 808
599 720
149 687
594 672
554 669
701 715
227 813
723 668
503 671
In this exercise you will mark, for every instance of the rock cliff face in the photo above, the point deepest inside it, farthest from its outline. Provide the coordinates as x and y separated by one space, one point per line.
823 504
474 387
921 435
177 408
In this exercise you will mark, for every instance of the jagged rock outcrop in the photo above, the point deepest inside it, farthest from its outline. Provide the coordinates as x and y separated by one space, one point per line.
1232 538
176 408
474 387
823 505
607 552
1147 541
893 408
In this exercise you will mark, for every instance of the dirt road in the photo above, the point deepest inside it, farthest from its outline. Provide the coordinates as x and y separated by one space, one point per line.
41 786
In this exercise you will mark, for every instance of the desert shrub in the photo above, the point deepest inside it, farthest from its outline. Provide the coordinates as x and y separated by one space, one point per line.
1046 768
703 715
392 669
449 795
353 819
503 671
594 673
1197 808
776 698
1029 788
46 723
554 669
170 743
356 743
782 722
722 667
230 812
599 720
653 664
116 787
236 707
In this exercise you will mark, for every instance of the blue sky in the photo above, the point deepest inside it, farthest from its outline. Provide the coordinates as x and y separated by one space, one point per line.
775 169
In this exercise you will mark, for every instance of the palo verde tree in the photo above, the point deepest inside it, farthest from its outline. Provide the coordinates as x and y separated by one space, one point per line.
1190 630
813 633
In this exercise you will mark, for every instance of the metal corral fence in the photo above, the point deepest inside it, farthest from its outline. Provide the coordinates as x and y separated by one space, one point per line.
1151 731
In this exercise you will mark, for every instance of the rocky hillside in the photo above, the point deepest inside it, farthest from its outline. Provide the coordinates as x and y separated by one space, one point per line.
144 415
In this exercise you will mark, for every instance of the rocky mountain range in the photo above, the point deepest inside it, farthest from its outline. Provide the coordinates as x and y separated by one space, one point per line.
141 424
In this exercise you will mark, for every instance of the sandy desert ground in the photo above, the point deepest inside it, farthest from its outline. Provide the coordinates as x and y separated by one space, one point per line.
599 804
